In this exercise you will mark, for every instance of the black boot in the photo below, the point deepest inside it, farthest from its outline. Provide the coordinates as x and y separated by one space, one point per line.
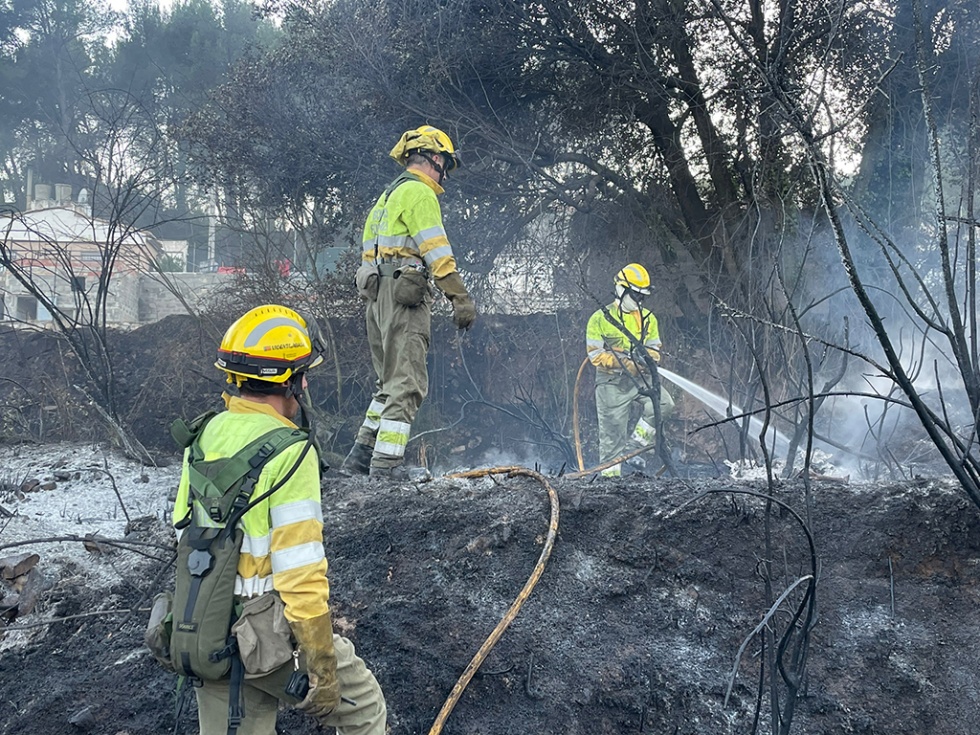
635 466
357 461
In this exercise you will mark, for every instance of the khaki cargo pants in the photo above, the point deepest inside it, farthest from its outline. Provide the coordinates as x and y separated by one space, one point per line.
399 339
614 396
357 683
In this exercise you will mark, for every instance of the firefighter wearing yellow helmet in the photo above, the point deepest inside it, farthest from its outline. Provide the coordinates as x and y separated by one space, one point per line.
405 250
281 585
612 336
270 344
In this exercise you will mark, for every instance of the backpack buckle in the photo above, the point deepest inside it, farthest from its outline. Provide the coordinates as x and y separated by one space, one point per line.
229 650
216 510
262 455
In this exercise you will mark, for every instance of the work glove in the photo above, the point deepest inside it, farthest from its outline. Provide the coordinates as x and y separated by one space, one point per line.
315 638
631 366
640 353
464 311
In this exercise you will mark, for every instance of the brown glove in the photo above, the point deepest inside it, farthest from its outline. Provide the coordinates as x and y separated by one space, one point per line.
651 351
464 311
623 361
315 638
640 355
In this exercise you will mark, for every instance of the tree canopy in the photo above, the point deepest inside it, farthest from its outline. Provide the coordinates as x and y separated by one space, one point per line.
786 165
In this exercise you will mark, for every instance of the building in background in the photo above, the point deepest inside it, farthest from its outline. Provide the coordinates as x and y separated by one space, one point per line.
67 252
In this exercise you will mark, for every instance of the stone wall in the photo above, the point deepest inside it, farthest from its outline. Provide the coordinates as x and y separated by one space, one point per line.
157 299
133 298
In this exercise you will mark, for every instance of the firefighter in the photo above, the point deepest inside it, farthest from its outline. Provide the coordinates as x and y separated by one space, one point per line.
265 355
405 249
619 368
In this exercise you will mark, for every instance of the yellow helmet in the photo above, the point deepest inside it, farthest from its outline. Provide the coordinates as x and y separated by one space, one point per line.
425 138
270 343
635 278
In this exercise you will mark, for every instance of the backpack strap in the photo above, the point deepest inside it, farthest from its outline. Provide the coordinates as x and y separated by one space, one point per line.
402 178
183 692
185 433
211 493
236 704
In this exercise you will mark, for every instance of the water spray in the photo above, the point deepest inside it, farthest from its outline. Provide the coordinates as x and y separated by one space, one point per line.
719 404
726 409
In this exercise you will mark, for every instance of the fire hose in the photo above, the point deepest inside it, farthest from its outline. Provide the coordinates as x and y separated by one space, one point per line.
582 472
522 596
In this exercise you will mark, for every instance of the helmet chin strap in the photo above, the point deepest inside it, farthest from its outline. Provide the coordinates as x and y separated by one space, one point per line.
441 170
295 390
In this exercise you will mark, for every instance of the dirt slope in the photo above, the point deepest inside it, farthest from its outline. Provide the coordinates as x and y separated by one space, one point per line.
634 626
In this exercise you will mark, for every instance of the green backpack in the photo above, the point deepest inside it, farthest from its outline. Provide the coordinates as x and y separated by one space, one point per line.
201 644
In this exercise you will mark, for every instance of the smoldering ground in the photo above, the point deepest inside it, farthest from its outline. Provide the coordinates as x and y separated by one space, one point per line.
641 621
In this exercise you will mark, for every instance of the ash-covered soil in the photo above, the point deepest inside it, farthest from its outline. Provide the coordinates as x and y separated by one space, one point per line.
634 627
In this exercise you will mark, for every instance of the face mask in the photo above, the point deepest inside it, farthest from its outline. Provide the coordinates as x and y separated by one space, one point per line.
626 303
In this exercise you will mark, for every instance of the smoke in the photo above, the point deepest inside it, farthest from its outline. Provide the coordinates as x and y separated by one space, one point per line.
546 462
902 274
871 429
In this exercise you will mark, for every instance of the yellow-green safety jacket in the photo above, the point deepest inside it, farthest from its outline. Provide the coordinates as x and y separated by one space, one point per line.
604 338
406 225
282 549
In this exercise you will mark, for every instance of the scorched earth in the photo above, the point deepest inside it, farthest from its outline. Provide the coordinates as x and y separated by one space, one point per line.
650 615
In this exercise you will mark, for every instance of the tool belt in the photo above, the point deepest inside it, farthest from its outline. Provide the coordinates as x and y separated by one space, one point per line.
410 278
389 266
620 377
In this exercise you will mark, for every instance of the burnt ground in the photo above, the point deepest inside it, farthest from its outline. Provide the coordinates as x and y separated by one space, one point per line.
633 628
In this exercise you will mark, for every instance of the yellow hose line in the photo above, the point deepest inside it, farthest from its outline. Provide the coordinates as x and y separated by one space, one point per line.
578 440
582 472
610 462
505 622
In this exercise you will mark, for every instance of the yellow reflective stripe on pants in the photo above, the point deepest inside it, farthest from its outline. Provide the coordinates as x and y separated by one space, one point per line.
372 419
643 433
392 438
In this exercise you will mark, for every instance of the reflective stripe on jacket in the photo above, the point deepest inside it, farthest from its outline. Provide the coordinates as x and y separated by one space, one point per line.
407 224
282 548
604 337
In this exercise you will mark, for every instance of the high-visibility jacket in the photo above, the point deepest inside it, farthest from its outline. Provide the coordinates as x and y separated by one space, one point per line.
282 549
406 224
604 338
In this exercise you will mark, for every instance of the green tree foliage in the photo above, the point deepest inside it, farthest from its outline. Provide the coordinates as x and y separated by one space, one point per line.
171 60
100 105
47 63
287 136
60 60
628 124
894 178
